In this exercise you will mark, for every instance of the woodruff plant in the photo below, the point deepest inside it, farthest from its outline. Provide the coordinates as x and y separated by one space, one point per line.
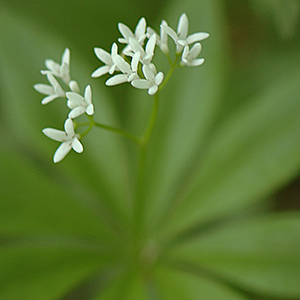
133 65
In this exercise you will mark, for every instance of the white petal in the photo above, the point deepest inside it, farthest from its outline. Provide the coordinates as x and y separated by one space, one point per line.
74 87
196 37
197 62
195 51
170 32
183 27
135 61
117 79
140 28
53 66
159 78
163 34
48 99
103 56
90 109
62 151
55 134
69 128
44 89
136 47
57 88
76 145
88 94
76 98
121 64
100 71
141 83
185 53
76 112
125 31
65 73
152 90
151 45
66 57
148 73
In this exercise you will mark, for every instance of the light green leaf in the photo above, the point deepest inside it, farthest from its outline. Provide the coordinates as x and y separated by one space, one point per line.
181 285
251 154
127 286
260 255
34 204
45 270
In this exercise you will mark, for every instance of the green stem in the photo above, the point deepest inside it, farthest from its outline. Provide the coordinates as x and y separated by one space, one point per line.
153 117
139 205
126 134
92 123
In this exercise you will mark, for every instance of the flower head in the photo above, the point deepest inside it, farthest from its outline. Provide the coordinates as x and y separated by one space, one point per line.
152 81
139 33
105 57
68 138
80 105
189 56
53 91
181 38
62 71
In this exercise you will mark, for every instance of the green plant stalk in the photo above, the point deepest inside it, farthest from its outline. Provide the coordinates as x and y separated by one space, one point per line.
92 123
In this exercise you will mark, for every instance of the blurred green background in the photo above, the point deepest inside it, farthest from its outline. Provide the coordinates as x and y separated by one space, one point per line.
228 134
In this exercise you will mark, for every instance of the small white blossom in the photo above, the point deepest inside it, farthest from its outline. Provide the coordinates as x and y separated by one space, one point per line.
68 138
105 57
162 40
74 87
139 33
181 38
62 71
53 91
152 81
145 56
129 71
189 56
80 105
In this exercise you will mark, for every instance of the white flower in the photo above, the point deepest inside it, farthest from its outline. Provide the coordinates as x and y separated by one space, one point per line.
68 138
62 71
181 38
139 33
80 105
105 57
145 56
189 56
129 71
53 91
152 81
162 40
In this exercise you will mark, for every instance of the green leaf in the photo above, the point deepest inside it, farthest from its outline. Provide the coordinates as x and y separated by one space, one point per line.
181 285
127 286
261 255
45 270
251 154
34 204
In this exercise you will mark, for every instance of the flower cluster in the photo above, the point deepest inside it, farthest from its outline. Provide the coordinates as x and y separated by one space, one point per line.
77 103
138 52
133 65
